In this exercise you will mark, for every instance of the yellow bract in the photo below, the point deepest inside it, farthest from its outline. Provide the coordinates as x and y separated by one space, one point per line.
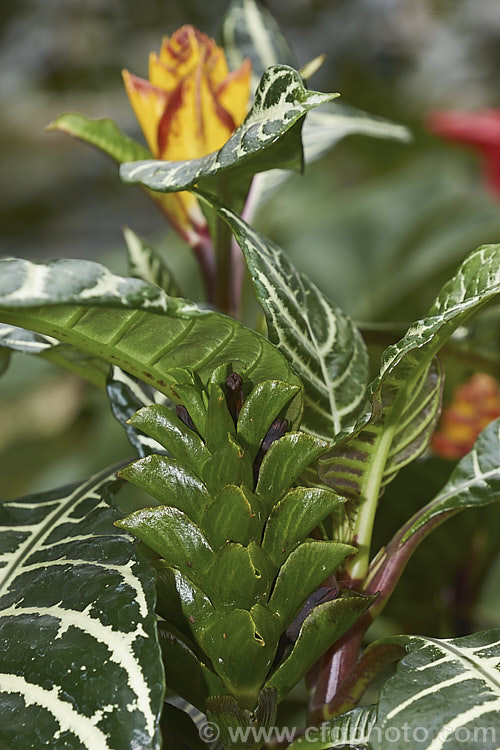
189 107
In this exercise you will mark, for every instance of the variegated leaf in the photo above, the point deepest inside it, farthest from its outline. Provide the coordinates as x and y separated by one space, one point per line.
21 340
127 395
145 263
13 338
268 138
474 482
406 368
445 694
134 325
350 730
250 31
318 339
322 130
80 663
346 466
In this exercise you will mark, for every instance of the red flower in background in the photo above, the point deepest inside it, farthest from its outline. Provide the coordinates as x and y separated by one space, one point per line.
480 130
475 404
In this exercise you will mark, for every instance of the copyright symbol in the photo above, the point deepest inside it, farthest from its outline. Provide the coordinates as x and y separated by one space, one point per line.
209 732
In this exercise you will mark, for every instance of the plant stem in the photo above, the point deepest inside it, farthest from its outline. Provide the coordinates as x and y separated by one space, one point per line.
223 293
335 666
357 567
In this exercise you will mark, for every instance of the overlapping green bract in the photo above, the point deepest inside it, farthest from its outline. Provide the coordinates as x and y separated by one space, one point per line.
82 666
234 564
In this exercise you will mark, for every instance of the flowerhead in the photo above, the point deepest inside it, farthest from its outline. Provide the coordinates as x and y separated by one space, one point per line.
188 108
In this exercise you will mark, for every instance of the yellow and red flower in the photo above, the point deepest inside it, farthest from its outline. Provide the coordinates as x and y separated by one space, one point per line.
189 107
475 404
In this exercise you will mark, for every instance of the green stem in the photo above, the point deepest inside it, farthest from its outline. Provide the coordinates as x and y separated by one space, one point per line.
357 567
222 238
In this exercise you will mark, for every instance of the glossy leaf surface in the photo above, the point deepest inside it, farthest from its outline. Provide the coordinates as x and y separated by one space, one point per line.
319 340
321 628
294 517
350 730
173 536
303 572
281 102
132 324
454 684
80 661
169 483
284 462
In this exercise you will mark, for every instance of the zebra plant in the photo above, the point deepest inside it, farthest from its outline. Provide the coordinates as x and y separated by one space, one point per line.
245 569
235 564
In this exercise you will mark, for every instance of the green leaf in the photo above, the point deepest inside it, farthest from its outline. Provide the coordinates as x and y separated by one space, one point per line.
259 411
240 655
250 31
160 423
133 325
281 103
318 339
302 573
190 396
230 464
240 577
145 263
345 467
127 395
170 483
322 627
232 516
454 684
183 604
284 462
294 517
351 730
322 130
80 657
21 340
475 481
186 673
372 454
171 534
103 134
219 423
14 338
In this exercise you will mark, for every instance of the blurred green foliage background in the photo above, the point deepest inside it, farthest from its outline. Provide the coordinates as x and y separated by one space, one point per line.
379 225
